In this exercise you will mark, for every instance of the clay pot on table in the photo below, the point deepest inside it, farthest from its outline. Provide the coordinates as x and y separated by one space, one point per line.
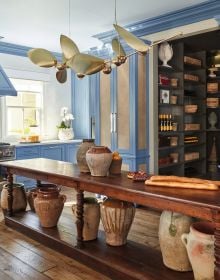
91 218
19 197
48 204
117 217
99 159
81 154
199 243
171 227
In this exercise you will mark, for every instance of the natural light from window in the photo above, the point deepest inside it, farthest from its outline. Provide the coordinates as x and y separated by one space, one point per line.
25 109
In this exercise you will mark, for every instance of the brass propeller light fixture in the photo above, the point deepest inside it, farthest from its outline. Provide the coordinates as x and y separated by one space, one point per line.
85 64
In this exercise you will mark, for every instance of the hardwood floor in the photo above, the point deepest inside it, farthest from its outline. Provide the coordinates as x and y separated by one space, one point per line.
26 259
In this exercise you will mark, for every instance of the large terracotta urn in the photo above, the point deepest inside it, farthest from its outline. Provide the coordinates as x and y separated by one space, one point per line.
117 217
81 155
48 204
30 197
199 243
91 218
171 227
99 159
19 197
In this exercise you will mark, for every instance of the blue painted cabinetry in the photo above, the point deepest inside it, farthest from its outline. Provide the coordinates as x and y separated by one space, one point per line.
63 152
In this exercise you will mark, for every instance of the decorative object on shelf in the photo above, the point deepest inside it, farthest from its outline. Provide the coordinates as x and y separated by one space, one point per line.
81 154
115 167
30 197
164 96
174 157
191 156
84 64
173 99
173 141
191 126
65 131
191 108
212 159
212 102
212 87
174 82
213 119
192 61
171 227
212 70
190 77
91 218
117 217
199 243
165 53
19 197
164 80
99 159
48 204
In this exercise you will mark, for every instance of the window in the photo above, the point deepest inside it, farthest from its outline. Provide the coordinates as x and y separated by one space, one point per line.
25 109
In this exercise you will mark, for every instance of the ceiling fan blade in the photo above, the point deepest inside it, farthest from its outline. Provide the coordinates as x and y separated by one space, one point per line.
42 57
68 47
117 47
61 75
86 64
133 41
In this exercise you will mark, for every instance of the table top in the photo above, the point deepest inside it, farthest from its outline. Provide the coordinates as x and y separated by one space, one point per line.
198 203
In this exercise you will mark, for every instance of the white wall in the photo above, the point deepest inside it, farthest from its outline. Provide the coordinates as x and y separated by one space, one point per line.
56 95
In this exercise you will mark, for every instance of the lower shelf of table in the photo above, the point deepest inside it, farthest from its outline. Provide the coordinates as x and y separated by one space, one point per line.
131 262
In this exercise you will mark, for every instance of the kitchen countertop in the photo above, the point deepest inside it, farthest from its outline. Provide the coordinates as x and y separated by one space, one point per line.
47 142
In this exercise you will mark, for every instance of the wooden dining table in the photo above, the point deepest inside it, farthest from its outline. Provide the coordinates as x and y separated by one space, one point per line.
131 261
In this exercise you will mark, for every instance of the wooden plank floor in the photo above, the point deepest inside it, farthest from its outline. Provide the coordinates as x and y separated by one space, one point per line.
24 258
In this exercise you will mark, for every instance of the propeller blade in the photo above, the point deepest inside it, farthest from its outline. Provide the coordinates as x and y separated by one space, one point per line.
61 76
42 57
68 47
86 64
133 41
117 47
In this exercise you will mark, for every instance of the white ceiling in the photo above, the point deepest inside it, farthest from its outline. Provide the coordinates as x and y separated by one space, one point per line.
39 23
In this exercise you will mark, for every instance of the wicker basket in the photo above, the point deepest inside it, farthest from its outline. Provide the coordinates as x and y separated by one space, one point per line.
191 156
212 87
212 102
192 126
191 108
190 77
192 61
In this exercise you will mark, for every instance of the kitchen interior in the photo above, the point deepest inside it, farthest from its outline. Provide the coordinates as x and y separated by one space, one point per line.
47 113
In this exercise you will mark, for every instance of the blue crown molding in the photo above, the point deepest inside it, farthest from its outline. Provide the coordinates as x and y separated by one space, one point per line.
195 13
19 50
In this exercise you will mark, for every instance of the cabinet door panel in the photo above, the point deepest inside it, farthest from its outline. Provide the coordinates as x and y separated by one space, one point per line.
53 152
123 101
71 151
105 110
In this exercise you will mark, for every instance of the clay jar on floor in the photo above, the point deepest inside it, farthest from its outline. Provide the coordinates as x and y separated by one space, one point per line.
200 248
48 204
91 218
117 217
19 197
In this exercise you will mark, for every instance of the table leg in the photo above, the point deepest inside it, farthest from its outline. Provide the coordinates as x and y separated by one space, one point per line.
10 194
79 218
217 244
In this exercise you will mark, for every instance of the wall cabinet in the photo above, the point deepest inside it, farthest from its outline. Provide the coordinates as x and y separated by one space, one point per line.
63 152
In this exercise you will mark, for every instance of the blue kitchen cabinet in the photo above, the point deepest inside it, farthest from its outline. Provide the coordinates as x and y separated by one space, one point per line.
70 152
56 152
26 153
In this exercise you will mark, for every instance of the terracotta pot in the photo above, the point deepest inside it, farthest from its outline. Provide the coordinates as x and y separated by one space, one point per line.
48 205
117 217
19 197
91 217
81 154
99 159
172 226
200 248
30 197
115 167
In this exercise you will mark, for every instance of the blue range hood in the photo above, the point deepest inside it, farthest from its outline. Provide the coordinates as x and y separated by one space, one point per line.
6 87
